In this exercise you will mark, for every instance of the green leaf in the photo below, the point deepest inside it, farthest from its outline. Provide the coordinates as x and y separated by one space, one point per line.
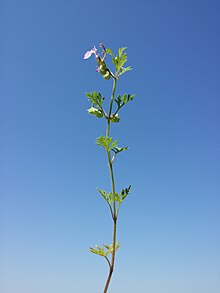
127 98
121 63
131 97
106 196
119 60
113 145
115 61
111 197
124 69
117 198
110 247
122 100
124 193
121 50
117 150
109 51
106 142
95 98
118 101
104 250
99 251
122 58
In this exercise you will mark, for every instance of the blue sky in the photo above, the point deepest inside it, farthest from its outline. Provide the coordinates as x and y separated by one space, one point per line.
50 167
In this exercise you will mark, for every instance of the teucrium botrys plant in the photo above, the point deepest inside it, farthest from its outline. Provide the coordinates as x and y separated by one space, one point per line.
113 198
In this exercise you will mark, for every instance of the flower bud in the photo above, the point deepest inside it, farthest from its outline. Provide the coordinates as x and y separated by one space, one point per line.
102 69
107 75
115 118
96 112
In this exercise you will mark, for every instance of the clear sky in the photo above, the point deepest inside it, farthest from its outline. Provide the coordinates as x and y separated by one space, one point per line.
50 167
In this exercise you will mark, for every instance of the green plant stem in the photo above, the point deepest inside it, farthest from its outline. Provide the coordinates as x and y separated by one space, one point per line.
114 216
111 266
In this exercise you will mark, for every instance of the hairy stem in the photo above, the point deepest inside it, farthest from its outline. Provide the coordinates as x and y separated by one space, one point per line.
114 215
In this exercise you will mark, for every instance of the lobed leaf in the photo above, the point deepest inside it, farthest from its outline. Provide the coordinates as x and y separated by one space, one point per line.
109 51
117 150
105 195
104 250
106 142
121 50
124 193
125 69
122 100
95 98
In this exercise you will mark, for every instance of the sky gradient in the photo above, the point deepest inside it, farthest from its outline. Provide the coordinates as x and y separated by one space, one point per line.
50 167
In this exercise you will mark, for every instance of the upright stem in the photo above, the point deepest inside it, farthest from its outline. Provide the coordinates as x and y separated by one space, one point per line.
111 266
110 108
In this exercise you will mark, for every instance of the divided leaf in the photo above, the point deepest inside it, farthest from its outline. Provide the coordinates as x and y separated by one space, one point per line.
106 196
119 60
98 250
105 249
124 193
112 197
125 69
109 51
106 142
120 51
117 150
95 98
122 100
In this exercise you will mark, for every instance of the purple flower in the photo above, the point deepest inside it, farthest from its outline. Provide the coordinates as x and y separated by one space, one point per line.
101 68
88 54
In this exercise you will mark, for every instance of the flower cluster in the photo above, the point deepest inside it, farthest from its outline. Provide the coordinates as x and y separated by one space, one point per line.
102 68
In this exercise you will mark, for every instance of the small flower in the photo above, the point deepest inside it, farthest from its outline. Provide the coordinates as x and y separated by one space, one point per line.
88 54
101 68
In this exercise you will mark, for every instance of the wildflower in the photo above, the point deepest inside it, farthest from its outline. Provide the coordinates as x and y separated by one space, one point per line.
101 68
88 54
